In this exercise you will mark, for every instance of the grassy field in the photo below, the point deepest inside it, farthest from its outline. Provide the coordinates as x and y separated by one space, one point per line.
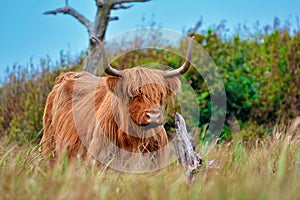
263 169
261 75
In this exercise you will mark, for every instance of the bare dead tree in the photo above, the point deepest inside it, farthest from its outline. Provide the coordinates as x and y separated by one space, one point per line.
96 28
187 157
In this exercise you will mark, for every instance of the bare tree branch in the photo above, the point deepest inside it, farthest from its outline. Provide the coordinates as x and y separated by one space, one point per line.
115 2
97 27
113 18
71 11
121 6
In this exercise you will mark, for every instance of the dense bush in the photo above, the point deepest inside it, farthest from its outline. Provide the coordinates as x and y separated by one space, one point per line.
261 74
23 96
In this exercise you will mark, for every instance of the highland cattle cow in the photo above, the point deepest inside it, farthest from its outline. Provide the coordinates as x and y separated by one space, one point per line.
92 116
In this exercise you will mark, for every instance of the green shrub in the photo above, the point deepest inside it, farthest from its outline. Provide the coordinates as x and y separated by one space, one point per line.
23 96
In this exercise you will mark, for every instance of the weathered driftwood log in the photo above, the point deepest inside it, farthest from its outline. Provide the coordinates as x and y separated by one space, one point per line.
187 157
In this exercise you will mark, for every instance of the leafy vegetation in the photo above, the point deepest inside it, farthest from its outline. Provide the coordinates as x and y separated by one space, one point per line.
261 73
23 96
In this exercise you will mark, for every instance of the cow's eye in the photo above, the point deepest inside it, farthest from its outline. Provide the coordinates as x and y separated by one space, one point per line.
161 98
138 95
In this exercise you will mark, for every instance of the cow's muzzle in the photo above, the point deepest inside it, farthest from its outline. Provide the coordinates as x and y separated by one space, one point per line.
154 116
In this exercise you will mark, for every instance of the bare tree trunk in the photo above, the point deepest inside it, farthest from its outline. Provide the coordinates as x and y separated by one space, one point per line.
97 28
187 157
94 54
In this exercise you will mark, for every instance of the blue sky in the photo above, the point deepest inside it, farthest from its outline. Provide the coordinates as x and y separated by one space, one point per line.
28 34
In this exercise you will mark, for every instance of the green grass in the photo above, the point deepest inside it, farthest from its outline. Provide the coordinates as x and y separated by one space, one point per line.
266 169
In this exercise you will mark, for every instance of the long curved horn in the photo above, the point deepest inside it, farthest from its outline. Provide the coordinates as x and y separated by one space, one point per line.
109 69
184 67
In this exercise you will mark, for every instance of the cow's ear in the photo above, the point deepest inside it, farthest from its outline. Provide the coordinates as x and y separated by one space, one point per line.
173 85
112 82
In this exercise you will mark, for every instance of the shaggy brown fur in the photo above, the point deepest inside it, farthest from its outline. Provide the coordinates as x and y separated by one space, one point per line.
88 115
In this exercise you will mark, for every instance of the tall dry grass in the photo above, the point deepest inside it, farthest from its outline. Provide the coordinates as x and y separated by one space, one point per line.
265 169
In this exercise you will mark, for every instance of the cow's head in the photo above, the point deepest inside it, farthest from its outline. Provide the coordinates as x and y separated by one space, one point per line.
144 90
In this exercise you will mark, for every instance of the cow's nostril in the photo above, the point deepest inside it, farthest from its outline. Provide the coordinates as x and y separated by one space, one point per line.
148 115
153 116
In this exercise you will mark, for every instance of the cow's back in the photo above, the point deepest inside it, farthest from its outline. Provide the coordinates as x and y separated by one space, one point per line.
72 93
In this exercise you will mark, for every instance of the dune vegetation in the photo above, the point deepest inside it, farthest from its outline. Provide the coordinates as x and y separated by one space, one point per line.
261 74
